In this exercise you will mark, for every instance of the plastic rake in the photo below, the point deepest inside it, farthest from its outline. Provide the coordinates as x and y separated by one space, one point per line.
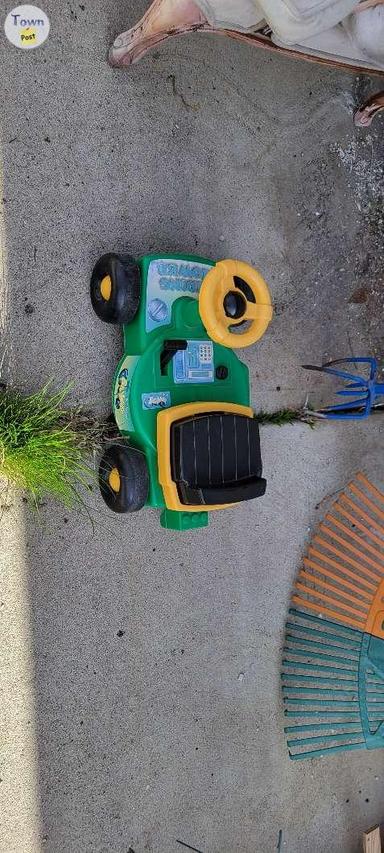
333 662
365 391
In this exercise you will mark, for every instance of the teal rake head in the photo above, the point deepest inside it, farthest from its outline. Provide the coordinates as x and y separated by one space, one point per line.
333 660
333 687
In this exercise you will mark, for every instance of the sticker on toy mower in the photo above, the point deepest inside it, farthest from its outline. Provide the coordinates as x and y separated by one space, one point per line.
194 364
166 281
121 393
156 400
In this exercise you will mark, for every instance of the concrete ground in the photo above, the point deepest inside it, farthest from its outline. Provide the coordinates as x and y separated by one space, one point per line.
141 701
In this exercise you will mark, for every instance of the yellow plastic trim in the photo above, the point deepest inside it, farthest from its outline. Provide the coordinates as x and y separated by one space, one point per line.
165 419
114 480
106 287
215 286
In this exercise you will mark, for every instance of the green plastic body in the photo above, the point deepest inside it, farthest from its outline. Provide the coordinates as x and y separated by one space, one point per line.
169 310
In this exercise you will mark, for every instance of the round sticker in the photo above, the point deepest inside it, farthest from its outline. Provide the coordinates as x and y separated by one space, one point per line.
26 26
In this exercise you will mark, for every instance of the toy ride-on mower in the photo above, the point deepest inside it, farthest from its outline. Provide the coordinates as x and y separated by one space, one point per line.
190 442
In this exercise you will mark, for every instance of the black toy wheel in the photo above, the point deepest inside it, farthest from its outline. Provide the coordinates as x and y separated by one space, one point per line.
123 478
115 288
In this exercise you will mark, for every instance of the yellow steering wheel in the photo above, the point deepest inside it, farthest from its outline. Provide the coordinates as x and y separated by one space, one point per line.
231 293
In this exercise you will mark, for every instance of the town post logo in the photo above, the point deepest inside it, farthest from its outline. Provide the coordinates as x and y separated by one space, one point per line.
26 27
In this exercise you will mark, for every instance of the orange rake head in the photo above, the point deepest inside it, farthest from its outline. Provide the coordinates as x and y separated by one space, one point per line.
343 573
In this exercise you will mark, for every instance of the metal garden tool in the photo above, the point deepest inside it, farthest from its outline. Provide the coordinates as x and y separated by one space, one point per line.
364 390
333 666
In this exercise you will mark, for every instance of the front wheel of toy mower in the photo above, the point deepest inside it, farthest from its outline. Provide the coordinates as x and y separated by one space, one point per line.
123 478
115 288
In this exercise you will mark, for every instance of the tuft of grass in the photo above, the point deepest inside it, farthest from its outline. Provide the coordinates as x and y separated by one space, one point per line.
285 416
45 449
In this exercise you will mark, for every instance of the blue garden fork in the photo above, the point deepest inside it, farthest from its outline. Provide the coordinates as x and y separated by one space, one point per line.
365 391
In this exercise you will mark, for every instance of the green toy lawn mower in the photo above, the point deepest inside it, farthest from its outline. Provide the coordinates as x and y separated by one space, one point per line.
180 394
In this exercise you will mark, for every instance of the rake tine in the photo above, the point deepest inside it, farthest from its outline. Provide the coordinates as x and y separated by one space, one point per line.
318 667
354 385
311 644
336 590
331 533
319 644
347 642
314 367
339 704
306 714
344 392
324 597
354 623
306 727
367 532
326 692
326 368
355 536
350 641
355 359
305 741
346 557
315 656
331 750
363 479
303 680
366 500
375 524
344 569
338 632
348 635
339 579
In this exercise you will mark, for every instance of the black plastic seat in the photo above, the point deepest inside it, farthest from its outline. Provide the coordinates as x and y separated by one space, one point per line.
216 459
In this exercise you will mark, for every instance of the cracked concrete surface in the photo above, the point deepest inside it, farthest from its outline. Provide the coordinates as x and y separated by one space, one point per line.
141 675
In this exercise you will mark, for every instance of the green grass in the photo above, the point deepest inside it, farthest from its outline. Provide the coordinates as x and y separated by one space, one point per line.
45 449
285 416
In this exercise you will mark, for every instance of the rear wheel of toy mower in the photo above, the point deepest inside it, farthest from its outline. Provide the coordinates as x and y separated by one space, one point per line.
115 288
123 478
